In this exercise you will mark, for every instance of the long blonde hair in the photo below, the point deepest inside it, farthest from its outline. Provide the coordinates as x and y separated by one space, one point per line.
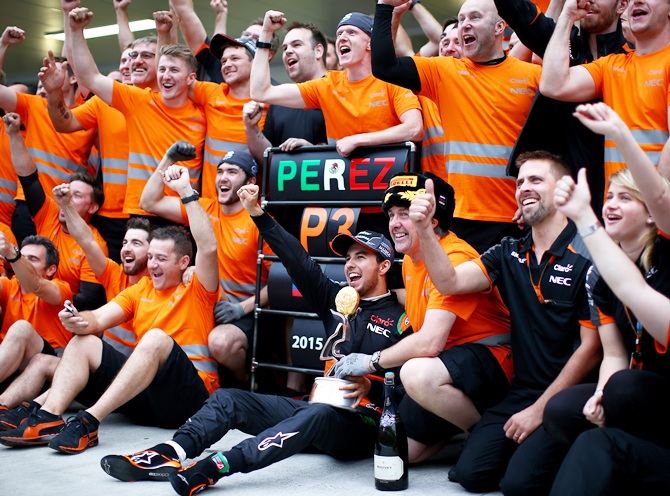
624 179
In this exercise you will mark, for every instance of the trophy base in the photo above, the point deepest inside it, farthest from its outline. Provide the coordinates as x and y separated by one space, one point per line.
327 390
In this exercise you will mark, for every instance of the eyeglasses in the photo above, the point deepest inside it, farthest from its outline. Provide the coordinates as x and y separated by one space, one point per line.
247 34
143 55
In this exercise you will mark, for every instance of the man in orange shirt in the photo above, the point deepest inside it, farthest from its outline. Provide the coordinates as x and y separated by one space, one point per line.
237 241
112 146
48 218
170 374
114 277
458 341
30 304
155 120
483 98
57 155
359 109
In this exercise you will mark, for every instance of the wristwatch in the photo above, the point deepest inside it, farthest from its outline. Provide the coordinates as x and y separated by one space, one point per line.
193 197
262 44
375 361
18 255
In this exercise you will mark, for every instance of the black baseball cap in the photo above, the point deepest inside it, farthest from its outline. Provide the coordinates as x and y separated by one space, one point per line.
369 239
220 42
243 160
405 186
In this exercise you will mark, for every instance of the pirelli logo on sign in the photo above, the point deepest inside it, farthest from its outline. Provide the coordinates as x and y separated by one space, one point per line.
320 174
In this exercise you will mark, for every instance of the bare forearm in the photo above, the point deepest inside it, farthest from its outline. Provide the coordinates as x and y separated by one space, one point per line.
126 36
257 142
556 67
153 191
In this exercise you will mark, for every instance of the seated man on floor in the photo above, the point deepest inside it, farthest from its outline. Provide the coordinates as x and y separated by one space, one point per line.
169 374
293 425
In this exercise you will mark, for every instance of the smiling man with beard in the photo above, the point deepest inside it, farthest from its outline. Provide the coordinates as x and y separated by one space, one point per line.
170 372
237 240
541 280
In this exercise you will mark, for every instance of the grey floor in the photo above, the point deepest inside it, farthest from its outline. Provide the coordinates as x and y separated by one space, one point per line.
42 471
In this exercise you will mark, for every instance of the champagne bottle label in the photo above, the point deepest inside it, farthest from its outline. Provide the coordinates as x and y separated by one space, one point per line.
388 467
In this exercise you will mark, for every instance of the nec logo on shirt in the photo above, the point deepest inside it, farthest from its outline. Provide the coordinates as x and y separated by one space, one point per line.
654 82
562 281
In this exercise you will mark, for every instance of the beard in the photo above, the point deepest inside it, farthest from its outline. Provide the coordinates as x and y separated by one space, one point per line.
539 214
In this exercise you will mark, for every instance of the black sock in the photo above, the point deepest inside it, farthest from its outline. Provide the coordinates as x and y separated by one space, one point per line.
166 450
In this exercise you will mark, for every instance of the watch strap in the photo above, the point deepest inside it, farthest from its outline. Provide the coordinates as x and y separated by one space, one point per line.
262 44
187 199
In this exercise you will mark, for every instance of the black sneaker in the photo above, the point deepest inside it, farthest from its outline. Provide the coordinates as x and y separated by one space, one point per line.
200 475
10 419
143 465
36 430
187 484
80 433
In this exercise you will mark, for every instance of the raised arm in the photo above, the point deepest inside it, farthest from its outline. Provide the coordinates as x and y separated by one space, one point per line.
10 36
261 88
385 64
52 77
602 119
23 162
468 277
256 140
80 230
221 19
164 23
153 199
30 280
619 272
558 79
126 36
430 27
86 71
191 27
206 262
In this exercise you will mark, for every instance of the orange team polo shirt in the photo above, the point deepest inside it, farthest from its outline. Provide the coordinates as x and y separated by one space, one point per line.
355 107
73 267
636 87
112 149
186 313
432 147
483 109
115 280
56 155
152 128
478 315
41 315
8 179
237 249
7 231
225 129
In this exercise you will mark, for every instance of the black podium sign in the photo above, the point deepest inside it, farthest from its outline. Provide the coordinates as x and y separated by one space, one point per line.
319 174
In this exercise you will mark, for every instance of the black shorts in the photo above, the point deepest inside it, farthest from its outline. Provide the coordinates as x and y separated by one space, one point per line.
475 371
246 325
176 393
47 349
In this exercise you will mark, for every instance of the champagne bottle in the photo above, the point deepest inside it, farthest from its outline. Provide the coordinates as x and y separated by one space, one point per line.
391 459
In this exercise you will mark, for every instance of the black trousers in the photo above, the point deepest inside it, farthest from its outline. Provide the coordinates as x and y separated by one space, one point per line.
611 462
634 401
282 427
491 461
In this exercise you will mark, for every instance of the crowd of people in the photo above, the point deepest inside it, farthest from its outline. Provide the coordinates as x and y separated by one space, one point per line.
533 313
